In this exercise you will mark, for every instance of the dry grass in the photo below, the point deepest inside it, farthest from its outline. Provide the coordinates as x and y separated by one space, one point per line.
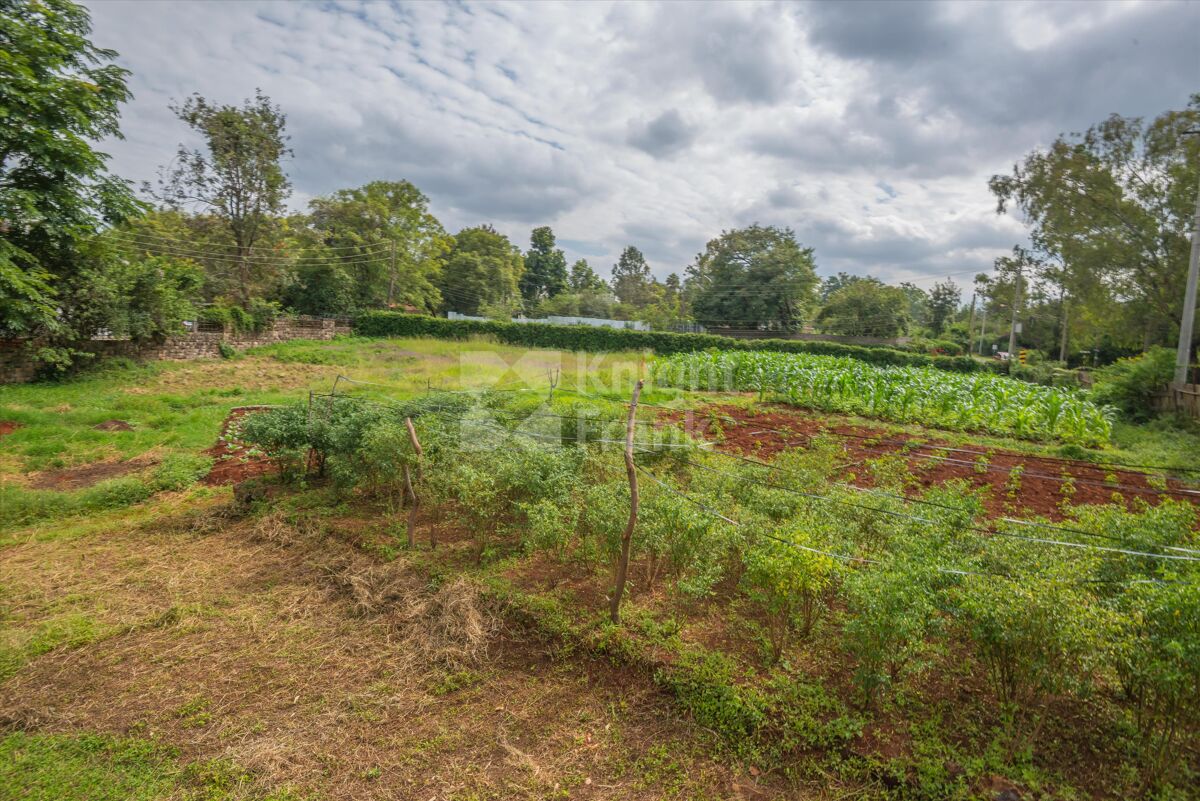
315 668
451 626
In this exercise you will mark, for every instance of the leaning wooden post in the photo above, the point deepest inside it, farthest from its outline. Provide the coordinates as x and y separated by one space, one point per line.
412 507
412 495
623 560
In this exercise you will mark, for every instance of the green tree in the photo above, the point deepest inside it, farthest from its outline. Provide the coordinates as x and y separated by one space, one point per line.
482 270
1109 212
238 177
583 278
833 283
545 267
753 277
387 240
631 278
865 307
944 300
323 285
918 303
58 94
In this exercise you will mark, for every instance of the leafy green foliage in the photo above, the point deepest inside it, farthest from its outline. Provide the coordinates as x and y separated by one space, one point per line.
865 307
379 245
545 272
573 337
985 402
482 269
1131 384
753 276
59 94
238 177
787 583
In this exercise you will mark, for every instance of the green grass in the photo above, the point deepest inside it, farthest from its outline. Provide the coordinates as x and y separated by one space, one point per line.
52 767
176 409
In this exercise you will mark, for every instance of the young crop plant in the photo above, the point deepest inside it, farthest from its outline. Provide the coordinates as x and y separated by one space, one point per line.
963 401
787 583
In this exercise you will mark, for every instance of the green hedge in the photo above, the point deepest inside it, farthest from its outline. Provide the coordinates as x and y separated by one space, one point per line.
602 340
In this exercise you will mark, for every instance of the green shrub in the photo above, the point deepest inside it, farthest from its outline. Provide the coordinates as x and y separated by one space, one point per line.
889 609
603 340
1157 656
226 350
1131 384
787 583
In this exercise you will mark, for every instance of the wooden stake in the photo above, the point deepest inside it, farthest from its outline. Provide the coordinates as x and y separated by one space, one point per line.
416 443
412 508
408 485
614 609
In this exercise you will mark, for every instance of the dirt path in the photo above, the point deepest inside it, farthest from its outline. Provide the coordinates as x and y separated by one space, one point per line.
227 647
1043 487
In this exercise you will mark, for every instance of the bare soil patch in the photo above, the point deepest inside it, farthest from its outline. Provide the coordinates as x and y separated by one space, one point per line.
234 460
1045 484
73 478
8 426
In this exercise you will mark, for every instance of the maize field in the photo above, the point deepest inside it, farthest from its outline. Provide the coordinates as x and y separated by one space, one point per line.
969 402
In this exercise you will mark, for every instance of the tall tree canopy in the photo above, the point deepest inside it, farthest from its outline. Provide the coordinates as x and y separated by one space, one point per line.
583 278
386 240
58 94
944 300
752 277
631 281
545 267
865 307
1111 209
482 270
238 177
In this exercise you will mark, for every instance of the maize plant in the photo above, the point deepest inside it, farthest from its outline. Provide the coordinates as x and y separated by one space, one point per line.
967 401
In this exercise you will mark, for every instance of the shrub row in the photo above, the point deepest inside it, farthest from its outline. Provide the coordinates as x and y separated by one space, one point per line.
601 340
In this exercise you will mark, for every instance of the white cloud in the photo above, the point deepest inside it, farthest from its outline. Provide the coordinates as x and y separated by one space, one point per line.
661 125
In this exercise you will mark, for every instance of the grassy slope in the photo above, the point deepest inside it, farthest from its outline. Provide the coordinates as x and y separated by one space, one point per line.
235 668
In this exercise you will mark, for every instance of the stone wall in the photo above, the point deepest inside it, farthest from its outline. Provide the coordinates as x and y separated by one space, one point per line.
17 364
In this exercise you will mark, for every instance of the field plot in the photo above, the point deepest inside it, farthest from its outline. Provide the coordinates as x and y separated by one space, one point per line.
816 606
971 402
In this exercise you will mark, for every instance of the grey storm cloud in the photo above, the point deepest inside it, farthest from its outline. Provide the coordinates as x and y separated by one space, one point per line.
665 134
869 128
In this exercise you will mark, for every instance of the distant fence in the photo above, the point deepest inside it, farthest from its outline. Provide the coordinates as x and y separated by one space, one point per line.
594 322
1179 399
17 364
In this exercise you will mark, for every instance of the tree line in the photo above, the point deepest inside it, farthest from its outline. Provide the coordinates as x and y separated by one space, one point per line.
82 253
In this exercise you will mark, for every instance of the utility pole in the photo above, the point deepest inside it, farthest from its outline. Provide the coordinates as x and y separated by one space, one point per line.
392 275
1183 355
1012 331
971 323
1062 348
982 329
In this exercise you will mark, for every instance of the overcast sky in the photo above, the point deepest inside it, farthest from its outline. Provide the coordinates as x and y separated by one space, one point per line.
870 129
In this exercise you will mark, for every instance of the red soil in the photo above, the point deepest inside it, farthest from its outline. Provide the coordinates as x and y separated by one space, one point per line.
8 426
1042 487
233 460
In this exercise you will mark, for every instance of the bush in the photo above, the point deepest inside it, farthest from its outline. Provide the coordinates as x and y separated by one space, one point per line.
602 340
787 584
1131 384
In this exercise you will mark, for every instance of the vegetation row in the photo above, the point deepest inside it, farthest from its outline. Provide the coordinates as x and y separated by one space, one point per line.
586 338
973 402
1100 611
